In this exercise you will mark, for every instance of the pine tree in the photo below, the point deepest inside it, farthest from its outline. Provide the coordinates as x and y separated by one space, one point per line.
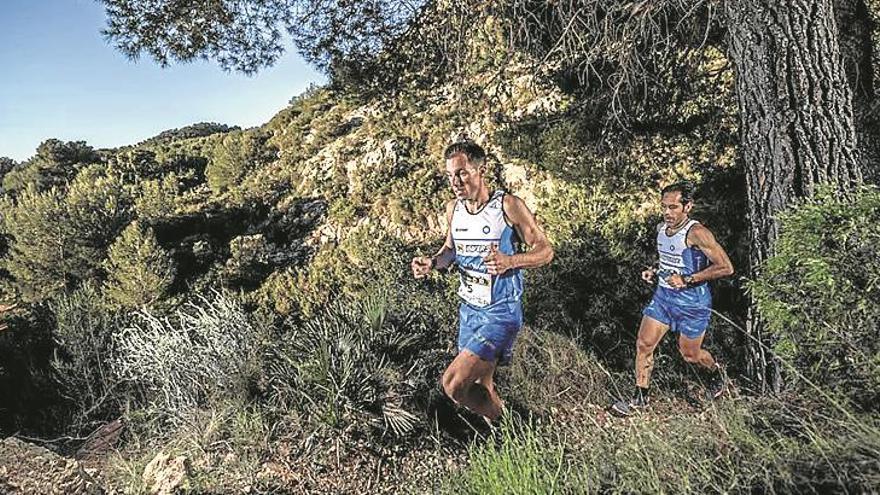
58 238
40 243
238 153
55 164
98 208
140 272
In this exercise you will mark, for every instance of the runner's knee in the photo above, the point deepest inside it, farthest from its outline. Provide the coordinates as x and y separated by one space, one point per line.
455 387
446 381
644 346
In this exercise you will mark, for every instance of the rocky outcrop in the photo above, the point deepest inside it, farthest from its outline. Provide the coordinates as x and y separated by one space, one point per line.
166 475
30 469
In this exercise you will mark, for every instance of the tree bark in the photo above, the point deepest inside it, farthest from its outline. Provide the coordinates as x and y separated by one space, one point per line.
856 28
796 122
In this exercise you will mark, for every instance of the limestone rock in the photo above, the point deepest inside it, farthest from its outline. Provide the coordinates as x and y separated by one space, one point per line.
165 476
30 469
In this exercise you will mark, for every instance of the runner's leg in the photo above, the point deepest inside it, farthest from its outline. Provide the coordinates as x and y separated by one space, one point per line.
692 351
460 383
651 332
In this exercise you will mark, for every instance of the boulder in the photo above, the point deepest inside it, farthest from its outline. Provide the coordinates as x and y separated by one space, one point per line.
165 475
30 469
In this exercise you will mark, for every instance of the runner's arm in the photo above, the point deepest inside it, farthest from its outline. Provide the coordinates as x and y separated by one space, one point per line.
446 255
701 237
530 232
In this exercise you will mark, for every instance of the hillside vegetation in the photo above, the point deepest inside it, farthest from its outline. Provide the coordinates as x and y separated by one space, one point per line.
242 297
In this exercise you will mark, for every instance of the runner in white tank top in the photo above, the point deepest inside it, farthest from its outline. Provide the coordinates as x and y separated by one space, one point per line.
484 230
689 257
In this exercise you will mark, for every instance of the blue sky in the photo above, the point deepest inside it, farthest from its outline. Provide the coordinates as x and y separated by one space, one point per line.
61 79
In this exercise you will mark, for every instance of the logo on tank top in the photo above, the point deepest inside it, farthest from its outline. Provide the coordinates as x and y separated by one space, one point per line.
486 229
672 247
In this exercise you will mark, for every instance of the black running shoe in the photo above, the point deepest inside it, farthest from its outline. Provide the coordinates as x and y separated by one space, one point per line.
628 407
717 383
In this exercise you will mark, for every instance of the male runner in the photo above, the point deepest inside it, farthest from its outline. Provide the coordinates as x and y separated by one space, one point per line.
689 258
485 228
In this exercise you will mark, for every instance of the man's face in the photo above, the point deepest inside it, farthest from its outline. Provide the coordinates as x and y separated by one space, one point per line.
674 212
465 179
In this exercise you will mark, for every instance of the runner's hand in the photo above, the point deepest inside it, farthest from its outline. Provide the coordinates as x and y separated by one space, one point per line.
648 275
421 266
676 281
497 262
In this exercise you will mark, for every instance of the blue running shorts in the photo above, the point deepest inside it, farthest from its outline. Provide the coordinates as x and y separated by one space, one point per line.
490 332
686 317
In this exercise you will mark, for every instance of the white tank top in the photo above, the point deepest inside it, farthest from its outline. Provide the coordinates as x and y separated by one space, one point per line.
473 234
675 255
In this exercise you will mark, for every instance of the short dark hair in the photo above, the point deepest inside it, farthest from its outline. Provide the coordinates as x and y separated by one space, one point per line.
475 154
685 188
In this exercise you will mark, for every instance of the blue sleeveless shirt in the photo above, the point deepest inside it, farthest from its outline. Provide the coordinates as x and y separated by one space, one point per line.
473 234
677 257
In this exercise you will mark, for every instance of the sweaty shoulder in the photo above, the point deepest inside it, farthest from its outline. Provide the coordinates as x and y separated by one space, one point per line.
514 207
512 201
699 235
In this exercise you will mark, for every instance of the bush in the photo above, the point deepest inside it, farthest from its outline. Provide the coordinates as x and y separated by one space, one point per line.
139 271
235 155
54 165
740 446
38 230
135 165
59 238
357 362
83 334
819 293
519 459
249 261
366 258
157 198
210 351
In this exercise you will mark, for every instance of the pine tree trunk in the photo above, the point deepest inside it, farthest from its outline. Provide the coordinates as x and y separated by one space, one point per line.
857 49
796 121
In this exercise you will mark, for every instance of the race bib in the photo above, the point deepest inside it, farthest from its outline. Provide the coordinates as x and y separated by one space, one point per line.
475 287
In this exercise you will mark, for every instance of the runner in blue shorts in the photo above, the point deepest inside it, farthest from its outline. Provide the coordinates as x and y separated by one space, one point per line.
485 230
689 257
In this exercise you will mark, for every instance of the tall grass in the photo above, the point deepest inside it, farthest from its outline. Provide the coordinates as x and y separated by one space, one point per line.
788 444
740 447
519 459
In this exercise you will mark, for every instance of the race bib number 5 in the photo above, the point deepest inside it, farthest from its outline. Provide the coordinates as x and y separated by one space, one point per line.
475 288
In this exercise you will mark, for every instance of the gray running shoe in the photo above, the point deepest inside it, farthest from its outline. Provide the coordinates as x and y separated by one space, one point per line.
628 407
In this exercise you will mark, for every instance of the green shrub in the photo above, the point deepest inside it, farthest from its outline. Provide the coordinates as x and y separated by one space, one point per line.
234 156
40 241
135 165
365 258
59 237
819 293
519 459
157 198
739 446
248 262
139 271
54 165
354 363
